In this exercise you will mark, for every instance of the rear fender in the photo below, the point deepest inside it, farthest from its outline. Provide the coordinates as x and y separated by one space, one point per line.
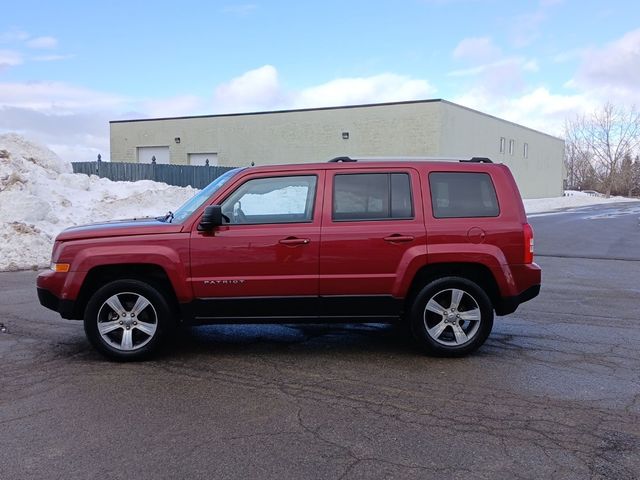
488 255
412 261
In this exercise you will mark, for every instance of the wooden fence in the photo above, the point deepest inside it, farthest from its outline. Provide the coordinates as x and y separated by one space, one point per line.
180 175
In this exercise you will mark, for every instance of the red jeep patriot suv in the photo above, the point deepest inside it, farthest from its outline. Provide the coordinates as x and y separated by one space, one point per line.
438 244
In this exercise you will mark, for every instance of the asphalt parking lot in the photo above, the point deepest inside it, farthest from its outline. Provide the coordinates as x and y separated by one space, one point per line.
554 393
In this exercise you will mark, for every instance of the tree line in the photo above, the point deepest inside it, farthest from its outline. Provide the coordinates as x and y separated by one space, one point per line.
602 151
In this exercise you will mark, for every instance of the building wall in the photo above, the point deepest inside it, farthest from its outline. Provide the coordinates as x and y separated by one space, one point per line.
288 137
466 133
421 129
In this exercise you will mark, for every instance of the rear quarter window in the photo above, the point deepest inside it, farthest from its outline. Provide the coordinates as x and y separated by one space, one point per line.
463 195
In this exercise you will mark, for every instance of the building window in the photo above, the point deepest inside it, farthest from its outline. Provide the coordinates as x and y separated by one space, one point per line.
525 151
502 144
512 146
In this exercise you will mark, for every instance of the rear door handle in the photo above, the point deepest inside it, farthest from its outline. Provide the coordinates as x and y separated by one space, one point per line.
294 241
397 238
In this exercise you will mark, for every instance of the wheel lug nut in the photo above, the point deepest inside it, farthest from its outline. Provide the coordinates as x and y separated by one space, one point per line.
133 314
135 323
124 314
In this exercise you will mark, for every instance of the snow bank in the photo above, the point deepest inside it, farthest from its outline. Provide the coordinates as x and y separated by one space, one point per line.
40 196
571 199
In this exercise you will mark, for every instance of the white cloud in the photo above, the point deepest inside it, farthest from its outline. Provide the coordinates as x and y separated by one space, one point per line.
527 28
614 66
178 106
512 63
9 58
255 89
506 76
386 87
486 66
537 108
241 9
56 96
74 119
42 42
569 55
476 50
13 35
260 89
51 58
76 134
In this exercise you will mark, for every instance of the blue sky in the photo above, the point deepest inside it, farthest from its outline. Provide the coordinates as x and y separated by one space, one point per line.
67 67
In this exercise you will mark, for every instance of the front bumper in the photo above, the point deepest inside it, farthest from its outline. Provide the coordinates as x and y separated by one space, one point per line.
66 308
50 287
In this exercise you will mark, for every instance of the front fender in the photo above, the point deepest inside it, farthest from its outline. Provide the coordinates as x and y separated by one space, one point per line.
100 256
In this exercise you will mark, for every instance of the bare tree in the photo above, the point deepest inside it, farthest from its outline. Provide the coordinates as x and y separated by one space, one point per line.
624 182
635 177
603 139
580 172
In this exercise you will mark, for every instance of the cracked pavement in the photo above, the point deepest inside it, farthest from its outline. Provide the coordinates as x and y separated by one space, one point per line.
554 393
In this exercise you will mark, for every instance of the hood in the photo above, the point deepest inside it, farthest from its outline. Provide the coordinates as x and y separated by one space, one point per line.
118 228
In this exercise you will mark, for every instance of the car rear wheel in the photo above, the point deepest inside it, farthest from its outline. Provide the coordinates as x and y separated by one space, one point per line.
126 319
451 316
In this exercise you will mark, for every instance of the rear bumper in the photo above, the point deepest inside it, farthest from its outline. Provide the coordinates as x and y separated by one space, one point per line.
509 305
527 279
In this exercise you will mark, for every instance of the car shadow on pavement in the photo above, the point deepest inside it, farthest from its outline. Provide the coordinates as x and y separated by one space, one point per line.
302 338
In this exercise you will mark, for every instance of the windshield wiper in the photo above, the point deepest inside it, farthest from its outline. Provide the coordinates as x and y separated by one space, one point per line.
168 217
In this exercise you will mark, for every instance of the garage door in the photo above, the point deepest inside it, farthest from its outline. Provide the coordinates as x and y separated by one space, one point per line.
201 159
146 154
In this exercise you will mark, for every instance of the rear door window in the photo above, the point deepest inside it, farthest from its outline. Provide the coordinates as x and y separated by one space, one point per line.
463 195
372 196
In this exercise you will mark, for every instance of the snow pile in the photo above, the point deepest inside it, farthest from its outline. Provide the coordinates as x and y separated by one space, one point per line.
571 199
40 196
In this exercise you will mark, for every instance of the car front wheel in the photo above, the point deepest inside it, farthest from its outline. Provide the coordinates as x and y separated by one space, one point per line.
126 319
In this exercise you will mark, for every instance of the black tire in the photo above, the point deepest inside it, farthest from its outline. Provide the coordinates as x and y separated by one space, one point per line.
137 329
445 329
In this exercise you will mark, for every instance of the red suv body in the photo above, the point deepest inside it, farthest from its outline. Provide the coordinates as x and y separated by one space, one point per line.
441 245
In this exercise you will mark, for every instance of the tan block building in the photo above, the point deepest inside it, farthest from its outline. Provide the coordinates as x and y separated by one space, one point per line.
426 128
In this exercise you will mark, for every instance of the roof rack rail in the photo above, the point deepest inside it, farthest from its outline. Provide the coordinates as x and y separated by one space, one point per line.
478 160
470 160
343 159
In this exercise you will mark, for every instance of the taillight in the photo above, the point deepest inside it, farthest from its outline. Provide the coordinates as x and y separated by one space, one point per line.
528 244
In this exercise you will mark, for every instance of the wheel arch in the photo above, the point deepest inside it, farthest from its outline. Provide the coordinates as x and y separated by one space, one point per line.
98 276
476 272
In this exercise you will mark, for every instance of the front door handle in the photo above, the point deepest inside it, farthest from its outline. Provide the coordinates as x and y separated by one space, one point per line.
397 238
294 241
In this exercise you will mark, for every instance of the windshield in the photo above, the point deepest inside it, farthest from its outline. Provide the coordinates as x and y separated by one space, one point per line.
202 196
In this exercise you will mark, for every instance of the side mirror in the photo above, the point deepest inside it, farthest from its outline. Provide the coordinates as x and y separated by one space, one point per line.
211 218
